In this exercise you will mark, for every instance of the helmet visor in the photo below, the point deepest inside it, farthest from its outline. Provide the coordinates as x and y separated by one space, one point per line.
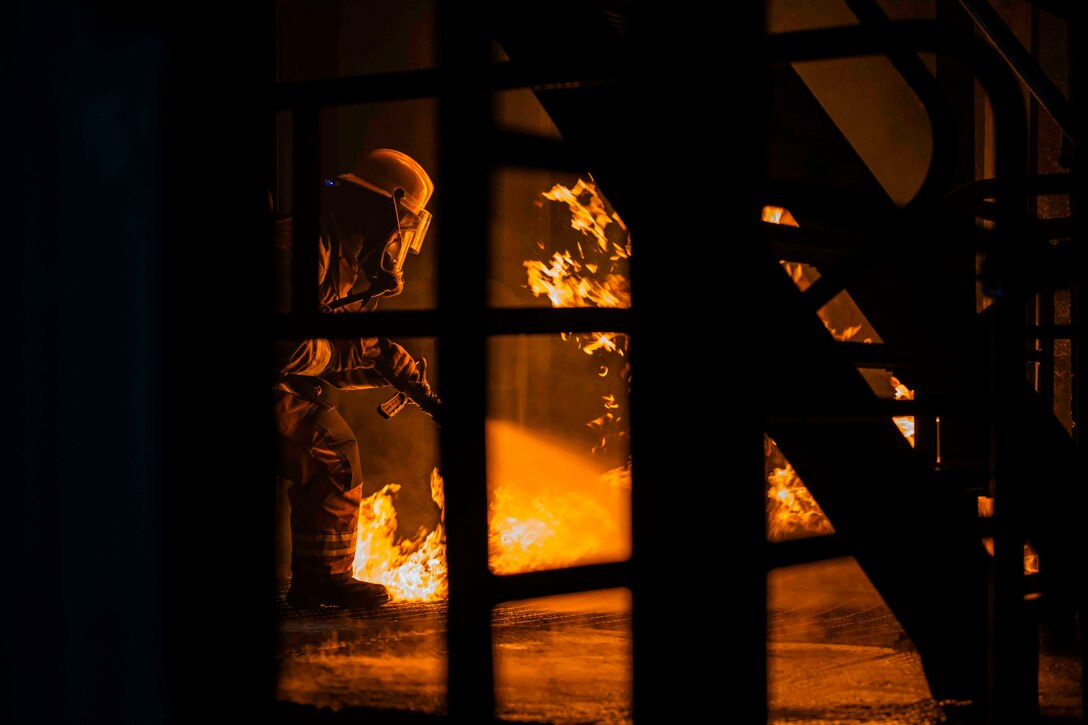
413 221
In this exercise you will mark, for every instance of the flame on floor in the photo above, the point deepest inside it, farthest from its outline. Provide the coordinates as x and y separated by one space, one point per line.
551 506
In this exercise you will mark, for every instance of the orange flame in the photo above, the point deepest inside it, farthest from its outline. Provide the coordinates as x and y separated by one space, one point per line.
565 513
555 531
904 422
778 215
540 517
792 512
803 275
590 279
559 510
413 569
541 528
589 216
594 276
563 282
1031 558
846 334
596 282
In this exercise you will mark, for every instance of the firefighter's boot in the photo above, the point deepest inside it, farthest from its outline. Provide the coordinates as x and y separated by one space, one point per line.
309 591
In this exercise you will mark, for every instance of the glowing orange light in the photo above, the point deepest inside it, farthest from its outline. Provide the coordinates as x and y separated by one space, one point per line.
904 422
564 510
1031 558
778 215
533 523
563 280
413 569
589 278
563 513
792 512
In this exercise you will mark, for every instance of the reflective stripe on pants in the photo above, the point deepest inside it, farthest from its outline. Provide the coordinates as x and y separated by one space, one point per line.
318 453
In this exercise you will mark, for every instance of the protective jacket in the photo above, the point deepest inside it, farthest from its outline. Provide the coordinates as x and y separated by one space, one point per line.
317 452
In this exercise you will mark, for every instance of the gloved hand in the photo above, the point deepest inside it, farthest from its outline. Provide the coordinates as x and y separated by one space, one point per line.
422 395
401 371
396 365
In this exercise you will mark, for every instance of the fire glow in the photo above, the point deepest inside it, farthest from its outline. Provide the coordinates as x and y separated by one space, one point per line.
792 512
567 512
1031 558
413 569
904 422
561 514
550 507
590 276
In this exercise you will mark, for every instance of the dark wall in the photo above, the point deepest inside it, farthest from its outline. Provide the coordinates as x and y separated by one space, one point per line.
218 509
132 521
136 524
83 211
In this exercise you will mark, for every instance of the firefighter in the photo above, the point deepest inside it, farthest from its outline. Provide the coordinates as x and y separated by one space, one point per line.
371 218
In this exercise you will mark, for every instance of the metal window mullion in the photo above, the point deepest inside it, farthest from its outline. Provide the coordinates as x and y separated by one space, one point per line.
1079 101
377 323
1042 352
427 83
462 199
1045 349
1009 684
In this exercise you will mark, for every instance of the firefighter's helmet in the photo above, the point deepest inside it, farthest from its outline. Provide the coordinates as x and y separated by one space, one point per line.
405 182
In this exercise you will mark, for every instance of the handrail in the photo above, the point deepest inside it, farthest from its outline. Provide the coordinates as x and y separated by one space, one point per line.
992 74
1001 276
1025 67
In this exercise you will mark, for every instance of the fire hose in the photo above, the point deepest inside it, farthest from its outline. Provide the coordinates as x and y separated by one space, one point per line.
418 393
429 404
394 405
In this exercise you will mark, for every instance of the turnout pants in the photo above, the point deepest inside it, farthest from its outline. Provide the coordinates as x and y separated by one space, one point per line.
319 455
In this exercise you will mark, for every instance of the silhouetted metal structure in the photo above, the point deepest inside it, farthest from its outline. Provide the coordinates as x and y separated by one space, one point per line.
639 105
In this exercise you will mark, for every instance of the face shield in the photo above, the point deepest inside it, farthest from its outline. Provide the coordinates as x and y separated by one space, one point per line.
413 221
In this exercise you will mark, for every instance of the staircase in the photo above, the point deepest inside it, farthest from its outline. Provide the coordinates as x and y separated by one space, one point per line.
962 337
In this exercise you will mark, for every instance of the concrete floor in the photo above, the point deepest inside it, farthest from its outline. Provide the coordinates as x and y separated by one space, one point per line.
837 656
566 661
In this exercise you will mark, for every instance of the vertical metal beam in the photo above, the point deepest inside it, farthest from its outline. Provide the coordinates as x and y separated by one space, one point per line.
1079 101
684 462
1002 280
753 692
1020 61
1009 687
959 432
462 196
1042 312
